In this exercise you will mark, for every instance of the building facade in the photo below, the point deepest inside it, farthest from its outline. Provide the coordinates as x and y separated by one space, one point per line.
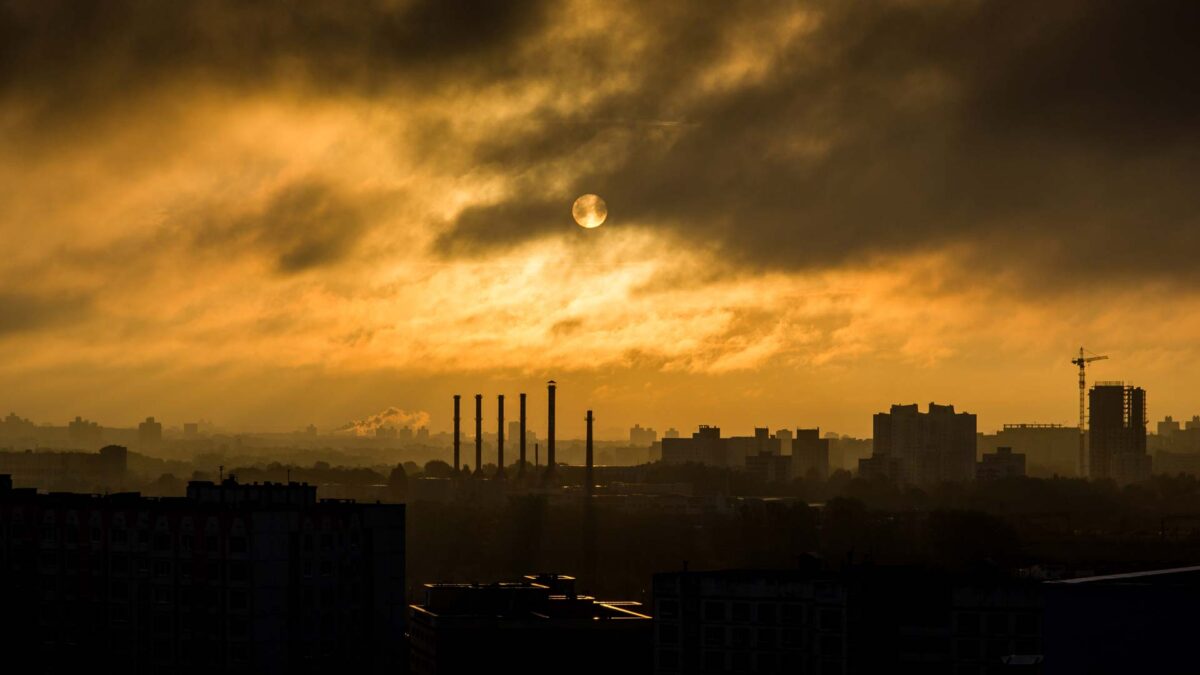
924 447
1117 433
258 578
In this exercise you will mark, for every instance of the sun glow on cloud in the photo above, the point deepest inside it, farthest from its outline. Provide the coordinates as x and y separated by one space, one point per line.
802 197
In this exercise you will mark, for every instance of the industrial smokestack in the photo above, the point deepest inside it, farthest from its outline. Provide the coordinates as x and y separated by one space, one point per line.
589 513
500 436
589 479
551 386
521 464
457 465
478 434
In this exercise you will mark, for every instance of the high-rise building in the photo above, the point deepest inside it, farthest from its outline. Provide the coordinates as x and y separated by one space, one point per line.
925 448
1117 433
149 433
1168 426
257 578
83 433
642 436
810 454
671 433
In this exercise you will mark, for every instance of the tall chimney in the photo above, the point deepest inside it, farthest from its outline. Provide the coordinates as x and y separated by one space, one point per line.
457 464
500 436
478 434
589 479
589 513
550 388
521 464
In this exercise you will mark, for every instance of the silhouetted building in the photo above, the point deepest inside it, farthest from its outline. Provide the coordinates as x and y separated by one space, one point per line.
150 433
769 467
191 429
539 625
642 436
1049 449
810 454
1168 426
260 578
1004 463
931 447
706 446
859 620
671 433
17 427
1117 433
82 433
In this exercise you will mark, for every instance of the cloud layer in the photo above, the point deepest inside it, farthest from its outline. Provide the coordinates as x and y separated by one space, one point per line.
818 191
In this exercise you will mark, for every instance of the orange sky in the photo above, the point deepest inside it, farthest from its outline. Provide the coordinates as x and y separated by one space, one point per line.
814 213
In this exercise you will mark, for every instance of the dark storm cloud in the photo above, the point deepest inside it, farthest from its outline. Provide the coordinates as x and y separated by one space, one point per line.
304 225
1049 137
59 54
22 312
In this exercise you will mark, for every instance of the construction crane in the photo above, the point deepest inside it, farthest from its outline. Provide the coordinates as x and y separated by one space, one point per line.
1085 357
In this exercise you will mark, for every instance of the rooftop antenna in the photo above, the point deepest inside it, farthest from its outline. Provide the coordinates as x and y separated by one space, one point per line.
1082 360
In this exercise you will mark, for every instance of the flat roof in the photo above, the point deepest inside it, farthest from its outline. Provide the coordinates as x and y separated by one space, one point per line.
1148 575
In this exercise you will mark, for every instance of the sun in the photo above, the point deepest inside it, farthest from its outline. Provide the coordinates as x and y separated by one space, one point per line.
590 211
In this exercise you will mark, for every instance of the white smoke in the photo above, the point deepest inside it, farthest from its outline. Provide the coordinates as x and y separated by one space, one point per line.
391 417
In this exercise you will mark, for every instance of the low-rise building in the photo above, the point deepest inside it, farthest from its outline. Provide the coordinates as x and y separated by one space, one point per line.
537 625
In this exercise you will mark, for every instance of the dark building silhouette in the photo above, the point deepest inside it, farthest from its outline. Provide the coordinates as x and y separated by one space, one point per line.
150 433
260 578
810 454
83 433
1049 449
539 625
1004 463
919 448
859 620
1117 433
642 436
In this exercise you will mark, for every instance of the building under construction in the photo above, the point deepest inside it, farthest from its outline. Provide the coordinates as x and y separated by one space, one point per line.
1117 437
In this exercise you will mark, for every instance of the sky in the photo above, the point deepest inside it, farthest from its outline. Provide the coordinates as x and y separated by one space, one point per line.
270 214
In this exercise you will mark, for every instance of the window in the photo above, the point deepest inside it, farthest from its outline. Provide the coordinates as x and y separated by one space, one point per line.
741 611
997 623
714 636
667 609
767 613
766 638
967 623
237 544
831 619
793 614
668 633
714 611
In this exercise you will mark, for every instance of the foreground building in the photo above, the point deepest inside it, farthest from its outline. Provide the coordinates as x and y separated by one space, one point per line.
859 620
537 625
261 578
